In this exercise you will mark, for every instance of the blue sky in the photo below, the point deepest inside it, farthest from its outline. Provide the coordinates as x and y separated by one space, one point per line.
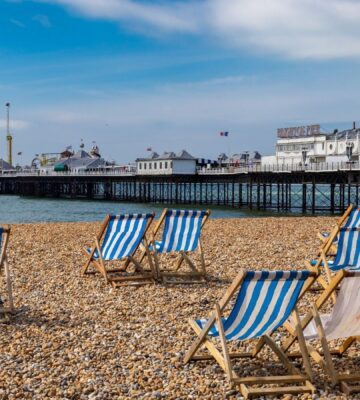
172 74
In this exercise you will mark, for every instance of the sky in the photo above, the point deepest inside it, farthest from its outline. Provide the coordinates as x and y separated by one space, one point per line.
171 75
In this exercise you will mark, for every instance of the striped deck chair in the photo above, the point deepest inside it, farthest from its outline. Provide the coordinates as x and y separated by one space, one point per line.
4 240
347 256
181 234
264 301
343 323
350 219
119 238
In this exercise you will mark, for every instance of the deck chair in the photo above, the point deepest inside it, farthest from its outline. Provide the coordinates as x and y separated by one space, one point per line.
119 238
4 240
350 219
264 301
347 256
342 323
181 234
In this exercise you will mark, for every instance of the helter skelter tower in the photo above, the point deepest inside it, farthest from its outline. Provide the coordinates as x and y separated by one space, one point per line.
8 134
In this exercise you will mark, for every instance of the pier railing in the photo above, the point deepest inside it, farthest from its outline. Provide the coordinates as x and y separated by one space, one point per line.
281 168
228 170
68 173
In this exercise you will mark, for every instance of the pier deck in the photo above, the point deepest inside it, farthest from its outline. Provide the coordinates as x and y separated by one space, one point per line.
301 191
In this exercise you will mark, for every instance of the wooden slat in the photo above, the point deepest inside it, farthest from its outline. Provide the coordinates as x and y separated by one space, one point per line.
349 389
266 380
280 390
130 277
349 377
231 355
181 275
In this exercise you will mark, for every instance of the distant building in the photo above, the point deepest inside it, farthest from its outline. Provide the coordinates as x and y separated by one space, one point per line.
168 163
78 162
206 163
6 167
307 144
246 158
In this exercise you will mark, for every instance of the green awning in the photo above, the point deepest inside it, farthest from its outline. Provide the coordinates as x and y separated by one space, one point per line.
61 168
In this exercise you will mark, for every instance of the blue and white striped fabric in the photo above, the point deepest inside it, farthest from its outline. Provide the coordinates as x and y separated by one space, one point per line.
181 231
264 302
123 235
348 251
353 221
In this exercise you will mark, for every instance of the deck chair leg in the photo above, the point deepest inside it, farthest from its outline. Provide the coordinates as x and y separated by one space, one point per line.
88 260
281 355
259 345
328 275
8 284
223 343
180 261
190 263
201 336
101 262
302 345
152 265
348 342
327 355
203 266
155 257
202 340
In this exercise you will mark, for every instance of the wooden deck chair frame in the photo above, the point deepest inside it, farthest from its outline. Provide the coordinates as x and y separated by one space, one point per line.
324 358
5 264
327 242
142 276
195 273
327 249
224 357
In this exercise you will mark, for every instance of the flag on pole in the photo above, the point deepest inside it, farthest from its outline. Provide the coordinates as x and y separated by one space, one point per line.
224 133
19 153
148 149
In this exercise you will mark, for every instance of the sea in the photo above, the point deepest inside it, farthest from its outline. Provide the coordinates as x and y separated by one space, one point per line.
15 209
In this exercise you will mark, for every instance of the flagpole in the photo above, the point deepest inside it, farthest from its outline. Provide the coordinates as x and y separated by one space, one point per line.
229 148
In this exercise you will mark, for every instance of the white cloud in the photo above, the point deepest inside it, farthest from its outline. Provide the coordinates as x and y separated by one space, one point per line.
316 29
42 20
173 16
17 23
297 29
14 124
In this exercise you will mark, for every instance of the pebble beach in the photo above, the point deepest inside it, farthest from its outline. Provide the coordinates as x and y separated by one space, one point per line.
75 337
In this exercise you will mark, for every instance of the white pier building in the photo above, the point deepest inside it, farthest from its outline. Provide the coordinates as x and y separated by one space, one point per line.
308 145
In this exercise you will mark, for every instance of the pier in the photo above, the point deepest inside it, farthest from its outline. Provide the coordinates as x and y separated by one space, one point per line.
305 191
